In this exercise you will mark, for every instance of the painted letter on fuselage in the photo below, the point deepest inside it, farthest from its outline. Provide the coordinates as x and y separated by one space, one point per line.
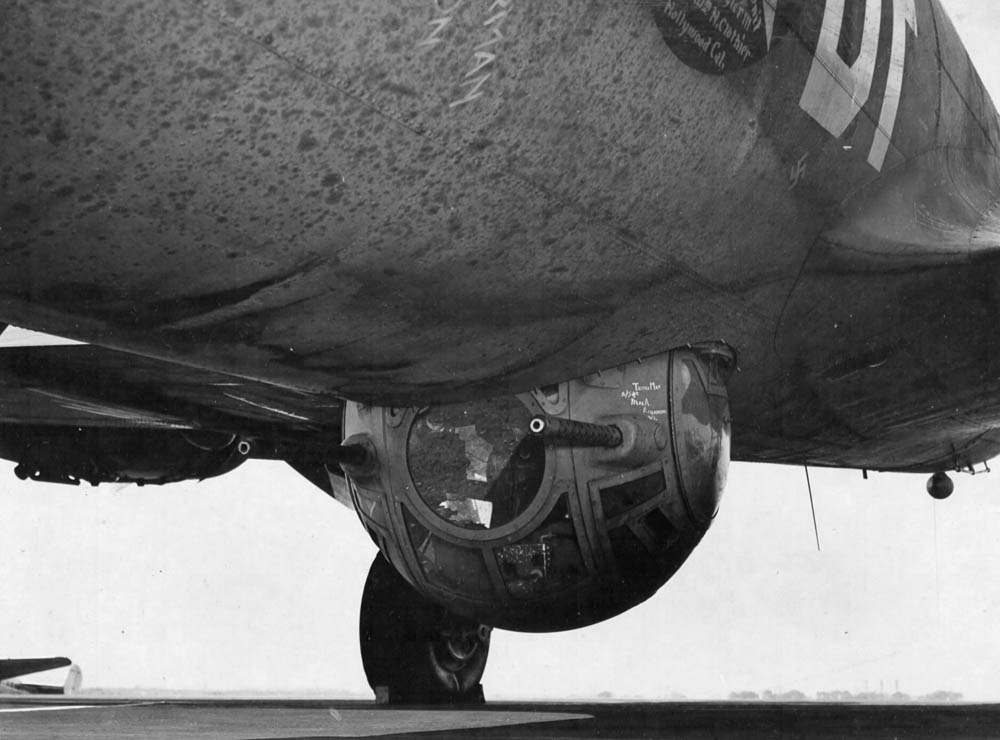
835 92
903 14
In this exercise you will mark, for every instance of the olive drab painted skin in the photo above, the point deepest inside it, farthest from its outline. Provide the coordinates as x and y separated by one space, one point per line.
442 200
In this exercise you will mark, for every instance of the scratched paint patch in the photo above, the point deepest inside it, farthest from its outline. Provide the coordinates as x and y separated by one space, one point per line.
488 25
716 36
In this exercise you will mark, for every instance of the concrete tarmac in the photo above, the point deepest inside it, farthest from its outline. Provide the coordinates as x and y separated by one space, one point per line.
253 720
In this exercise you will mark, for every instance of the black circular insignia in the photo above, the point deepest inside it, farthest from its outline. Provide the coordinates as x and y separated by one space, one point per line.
716 36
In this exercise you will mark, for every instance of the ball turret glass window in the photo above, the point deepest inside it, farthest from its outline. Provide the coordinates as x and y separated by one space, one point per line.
474 464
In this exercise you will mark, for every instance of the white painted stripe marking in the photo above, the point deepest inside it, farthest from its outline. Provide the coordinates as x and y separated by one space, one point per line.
120 413
273 410
52 708
770 8
15 336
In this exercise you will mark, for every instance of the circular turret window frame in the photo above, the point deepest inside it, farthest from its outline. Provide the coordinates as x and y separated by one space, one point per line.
514 530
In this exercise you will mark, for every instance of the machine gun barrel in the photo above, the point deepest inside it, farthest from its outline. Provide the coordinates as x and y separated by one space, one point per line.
580 433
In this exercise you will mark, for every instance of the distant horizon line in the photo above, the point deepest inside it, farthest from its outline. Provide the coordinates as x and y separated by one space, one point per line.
599 697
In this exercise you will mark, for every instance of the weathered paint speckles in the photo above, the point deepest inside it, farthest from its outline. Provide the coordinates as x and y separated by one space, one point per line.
592 198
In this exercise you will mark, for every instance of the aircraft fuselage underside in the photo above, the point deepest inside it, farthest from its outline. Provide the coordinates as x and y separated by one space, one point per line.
444 201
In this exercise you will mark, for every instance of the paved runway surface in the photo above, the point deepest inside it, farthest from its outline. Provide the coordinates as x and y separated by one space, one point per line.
247 720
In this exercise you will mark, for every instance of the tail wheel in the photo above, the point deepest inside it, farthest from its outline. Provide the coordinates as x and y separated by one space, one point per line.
414 651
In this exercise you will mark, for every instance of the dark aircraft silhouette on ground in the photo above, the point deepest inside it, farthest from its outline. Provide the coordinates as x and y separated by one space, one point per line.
504 278
12 668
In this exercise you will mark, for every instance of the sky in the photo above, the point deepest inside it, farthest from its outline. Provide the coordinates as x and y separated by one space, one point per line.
253 581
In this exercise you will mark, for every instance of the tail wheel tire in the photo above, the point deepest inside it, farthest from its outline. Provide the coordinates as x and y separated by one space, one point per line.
414 651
